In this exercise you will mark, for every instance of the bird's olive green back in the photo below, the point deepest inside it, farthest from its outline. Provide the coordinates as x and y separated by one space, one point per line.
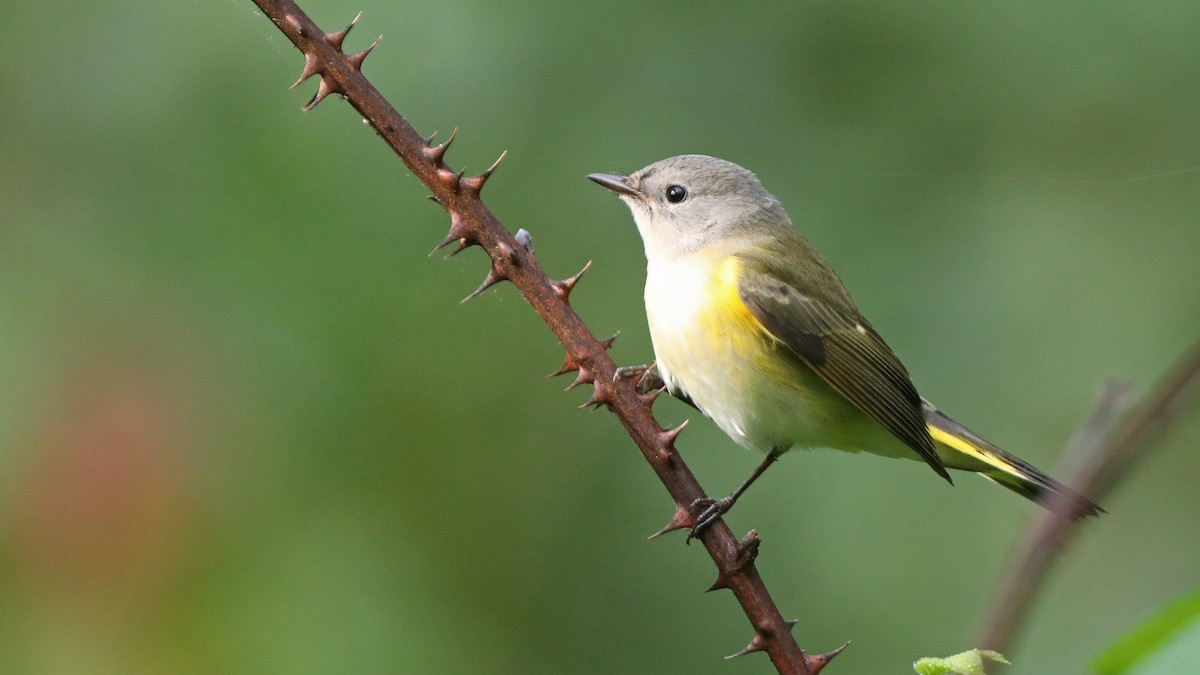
810 311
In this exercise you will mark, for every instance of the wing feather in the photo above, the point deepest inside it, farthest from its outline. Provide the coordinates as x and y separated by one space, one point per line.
845 352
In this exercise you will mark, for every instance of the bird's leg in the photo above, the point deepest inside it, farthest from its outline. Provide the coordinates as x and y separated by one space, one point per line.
712 509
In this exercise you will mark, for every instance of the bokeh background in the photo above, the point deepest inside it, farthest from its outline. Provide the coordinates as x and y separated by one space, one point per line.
246 426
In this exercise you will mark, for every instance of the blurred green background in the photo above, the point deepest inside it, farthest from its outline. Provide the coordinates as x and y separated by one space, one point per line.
246 426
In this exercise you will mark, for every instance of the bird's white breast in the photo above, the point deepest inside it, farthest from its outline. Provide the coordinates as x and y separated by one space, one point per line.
697 351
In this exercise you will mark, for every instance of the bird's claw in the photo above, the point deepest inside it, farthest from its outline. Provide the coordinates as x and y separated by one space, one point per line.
648 379
708 511
629 372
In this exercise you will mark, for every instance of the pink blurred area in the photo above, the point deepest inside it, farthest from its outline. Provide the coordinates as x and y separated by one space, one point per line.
103 518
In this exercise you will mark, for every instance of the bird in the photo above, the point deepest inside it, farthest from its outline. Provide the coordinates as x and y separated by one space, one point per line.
752 326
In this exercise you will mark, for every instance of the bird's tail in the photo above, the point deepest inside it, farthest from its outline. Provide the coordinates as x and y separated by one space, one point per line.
960 448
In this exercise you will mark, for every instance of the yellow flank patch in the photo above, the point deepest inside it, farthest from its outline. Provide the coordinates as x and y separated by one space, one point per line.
730 324
730 314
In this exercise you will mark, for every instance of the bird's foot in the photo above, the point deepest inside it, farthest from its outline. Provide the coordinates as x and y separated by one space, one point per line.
708 511
648 379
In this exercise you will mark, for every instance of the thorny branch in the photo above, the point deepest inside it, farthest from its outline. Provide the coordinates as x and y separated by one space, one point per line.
1116 433
473 224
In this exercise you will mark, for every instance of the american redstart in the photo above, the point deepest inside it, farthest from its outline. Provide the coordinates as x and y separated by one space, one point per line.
754 328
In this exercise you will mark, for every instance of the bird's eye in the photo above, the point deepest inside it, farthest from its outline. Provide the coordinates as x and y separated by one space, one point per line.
676 194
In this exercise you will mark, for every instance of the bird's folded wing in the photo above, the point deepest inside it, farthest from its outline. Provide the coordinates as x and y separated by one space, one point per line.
846 352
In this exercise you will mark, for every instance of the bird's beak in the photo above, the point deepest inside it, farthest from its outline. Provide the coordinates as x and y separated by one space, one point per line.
618 184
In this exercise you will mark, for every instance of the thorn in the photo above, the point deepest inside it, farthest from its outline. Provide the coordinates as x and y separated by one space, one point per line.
463 245
594 402
356 59
722 582
458 232
494 276
567 366
607 342
435 200
492 168
311 67
584 377
508 252
816 662
429 139
435 153
756 644
452 237
680 521
475 183
525 239
650 397
326 88
336 39
456 181
601 395
563 288
747 551
669 435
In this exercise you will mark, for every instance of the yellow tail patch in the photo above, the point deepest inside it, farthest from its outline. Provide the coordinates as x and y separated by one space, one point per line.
974 452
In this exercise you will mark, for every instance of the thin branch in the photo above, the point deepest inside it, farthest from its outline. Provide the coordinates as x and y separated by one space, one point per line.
1116 434
512 259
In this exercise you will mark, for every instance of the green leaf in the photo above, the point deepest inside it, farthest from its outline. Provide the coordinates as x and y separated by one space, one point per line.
966 663
1177 624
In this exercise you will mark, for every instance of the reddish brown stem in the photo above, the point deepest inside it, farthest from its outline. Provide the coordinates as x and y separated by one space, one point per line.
472 223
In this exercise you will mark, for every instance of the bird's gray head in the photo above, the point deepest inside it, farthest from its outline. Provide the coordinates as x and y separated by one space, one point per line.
687 202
